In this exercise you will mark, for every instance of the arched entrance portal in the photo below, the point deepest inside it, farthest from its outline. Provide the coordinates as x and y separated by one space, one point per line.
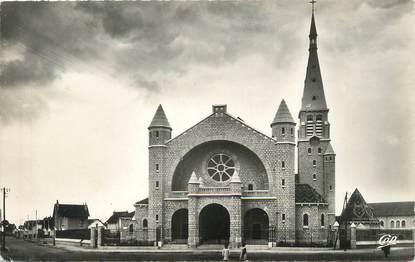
179 226
214 224
256 226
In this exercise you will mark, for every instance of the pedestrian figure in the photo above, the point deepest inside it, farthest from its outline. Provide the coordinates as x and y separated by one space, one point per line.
244 254
225 252
386 250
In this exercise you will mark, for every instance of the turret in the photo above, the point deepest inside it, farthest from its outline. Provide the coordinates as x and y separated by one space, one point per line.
236 184
283 124
159 129
330 181
193 184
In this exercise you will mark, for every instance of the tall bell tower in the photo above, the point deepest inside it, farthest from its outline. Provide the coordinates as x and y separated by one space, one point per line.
314 131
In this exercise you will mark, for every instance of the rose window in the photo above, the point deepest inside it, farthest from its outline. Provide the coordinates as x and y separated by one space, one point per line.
221 167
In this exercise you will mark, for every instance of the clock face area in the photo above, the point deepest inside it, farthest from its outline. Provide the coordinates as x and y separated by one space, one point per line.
215 163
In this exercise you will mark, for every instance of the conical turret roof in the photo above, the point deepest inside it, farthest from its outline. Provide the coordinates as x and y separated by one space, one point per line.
283 114
193 179
160 119
235 178
329 150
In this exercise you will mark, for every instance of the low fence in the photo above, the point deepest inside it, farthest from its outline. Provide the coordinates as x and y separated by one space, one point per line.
375 234
311 237
371 236
74 234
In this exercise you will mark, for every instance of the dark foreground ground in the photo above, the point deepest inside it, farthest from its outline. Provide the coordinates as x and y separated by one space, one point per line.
23 250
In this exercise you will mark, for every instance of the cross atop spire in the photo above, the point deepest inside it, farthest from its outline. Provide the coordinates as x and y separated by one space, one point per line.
312 2
313 96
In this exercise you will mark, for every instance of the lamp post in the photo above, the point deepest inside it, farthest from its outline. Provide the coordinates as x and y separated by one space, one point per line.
5 191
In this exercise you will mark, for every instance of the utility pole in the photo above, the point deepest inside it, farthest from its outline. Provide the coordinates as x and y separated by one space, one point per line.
5 191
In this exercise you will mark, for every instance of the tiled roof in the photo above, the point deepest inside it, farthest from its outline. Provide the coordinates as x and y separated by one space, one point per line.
72 211
142 202
283 114
304 193
357 209
116 215
160 119
405 208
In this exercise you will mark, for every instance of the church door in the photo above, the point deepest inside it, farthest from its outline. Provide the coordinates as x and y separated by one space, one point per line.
179 226
214 225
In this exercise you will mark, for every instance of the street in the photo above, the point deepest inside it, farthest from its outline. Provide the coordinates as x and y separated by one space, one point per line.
24 250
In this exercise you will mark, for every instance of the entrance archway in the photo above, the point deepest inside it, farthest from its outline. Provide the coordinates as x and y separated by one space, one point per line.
256 226
214 224
179 226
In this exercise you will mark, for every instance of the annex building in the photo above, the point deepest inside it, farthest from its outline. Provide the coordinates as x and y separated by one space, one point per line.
222 180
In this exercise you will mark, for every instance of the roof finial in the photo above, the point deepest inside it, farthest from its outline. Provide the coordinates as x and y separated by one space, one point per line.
312 2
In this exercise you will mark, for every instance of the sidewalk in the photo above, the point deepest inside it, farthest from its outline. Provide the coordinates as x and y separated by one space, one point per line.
273 250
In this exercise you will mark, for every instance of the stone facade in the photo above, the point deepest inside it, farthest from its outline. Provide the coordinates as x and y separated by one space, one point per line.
224 181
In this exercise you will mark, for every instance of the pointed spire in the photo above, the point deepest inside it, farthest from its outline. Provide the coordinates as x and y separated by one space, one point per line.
235 177
313 95
160 119
193 179
329 150
283 114
313 30
201 181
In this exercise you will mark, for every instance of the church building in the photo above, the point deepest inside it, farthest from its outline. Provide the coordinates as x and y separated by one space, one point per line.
223 181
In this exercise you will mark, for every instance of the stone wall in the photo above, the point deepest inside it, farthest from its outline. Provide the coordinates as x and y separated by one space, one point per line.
315 232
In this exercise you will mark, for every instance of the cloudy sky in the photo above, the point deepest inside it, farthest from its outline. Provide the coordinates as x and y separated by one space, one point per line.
80 82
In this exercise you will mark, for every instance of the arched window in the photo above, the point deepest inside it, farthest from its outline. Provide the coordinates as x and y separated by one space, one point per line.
398 224
392 224
292 131
283 182
250 187
145 223
282 130
322 220
314 177
319 118
131 228
382 224
403 223
305 220
157 133
310 118
319 150
309 150
283 164
314 162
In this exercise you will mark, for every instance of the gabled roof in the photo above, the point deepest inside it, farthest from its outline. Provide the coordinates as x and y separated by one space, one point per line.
142 202
237 119
117 215
283 114
385 209
160 119
304 193
72 211
357 209
90 221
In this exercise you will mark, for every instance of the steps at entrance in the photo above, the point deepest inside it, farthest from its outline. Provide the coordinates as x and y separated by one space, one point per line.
256 247
175 246
210 247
